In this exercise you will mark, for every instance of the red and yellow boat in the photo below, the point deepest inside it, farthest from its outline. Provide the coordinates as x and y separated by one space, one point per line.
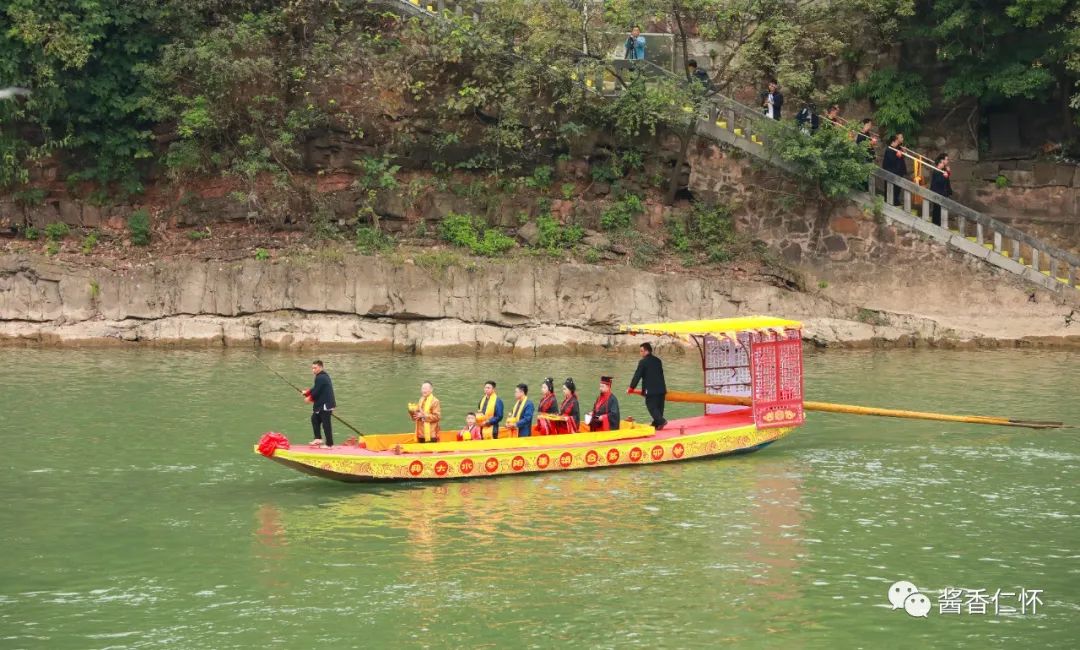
756 358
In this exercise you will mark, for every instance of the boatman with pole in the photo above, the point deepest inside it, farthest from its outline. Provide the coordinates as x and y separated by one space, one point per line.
321 398
650 372
605 411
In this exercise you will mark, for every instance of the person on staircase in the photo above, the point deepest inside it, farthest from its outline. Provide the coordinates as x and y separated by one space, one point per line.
489 411
894 162
772 101
604 415
866 138
941 183
635 45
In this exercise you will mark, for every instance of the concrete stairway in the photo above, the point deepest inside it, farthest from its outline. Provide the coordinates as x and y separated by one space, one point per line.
728 122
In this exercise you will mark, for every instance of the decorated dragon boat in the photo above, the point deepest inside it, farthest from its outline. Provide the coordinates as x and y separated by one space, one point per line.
753 388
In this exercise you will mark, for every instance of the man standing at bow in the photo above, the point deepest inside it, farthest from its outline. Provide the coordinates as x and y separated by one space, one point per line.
650 372
521 414
489 412
321 398
605 411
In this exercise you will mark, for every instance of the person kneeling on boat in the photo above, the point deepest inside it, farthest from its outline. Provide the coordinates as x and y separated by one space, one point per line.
426 413
521 414
605 411
321 398
471 430
490 411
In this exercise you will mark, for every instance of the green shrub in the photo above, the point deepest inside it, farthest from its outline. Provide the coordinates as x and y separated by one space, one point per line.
554 237
56 231
139 227
620 214
468 232
707 230
592 256
541 178
89 243
1002 181
52 248
827 159
371 240
196 235
568 190
29 197
262 254
30 233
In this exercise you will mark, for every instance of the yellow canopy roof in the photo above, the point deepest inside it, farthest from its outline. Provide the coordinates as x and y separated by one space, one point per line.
716 326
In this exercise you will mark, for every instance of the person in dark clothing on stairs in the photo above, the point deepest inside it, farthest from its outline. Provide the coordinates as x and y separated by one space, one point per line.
650 372
894 162
941 184
321 398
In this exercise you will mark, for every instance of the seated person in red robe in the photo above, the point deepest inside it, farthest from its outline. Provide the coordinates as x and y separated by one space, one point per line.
548 405
605 411
471 430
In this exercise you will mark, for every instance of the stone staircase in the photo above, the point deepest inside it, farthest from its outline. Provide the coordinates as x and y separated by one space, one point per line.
726 121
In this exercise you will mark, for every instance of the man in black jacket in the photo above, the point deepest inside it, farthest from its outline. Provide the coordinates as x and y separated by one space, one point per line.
894 162
321 398
650 372
940 182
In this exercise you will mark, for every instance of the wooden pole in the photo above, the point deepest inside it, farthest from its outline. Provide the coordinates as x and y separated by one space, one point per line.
828 407
299 390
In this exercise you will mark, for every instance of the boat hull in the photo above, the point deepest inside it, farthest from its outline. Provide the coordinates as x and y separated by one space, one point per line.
681 440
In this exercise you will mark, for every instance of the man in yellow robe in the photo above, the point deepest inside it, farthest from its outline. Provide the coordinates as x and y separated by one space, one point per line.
427 414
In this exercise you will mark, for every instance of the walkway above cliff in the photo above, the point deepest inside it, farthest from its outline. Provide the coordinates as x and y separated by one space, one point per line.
969 231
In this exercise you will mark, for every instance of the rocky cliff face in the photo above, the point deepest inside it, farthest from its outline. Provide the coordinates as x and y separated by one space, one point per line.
520 307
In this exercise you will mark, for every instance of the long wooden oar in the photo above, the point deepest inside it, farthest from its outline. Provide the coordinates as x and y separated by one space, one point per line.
828 407
301 391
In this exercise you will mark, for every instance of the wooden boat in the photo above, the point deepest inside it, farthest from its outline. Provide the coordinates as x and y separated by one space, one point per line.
758 357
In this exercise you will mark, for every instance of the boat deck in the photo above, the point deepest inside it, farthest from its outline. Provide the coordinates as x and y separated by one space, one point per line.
675 428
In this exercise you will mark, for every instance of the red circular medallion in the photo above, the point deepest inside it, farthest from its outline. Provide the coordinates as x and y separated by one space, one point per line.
466 466
491 465
441 468
635 454
591 457
517 464
677 450
657 452
612 456
566 459
416 468
542 461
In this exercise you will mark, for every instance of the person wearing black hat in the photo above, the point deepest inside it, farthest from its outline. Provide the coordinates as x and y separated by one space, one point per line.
650 372
605 411
569 407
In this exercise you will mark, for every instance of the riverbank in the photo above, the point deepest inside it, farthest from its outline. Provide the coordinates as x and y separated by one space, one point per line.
522 306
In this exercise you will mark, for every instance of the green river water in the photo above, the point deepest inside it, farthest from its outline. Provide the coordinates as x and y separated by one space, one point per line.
136 515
